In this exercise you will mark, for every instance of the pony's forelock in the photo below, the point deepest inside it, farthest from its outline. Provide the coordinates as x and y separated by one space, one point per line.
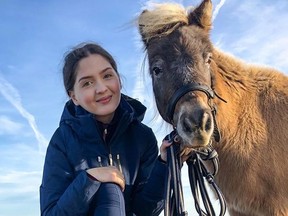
161 19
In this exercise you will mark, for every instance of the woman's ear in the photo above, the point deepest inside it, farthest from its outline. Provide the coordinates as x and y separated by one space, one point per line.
73 97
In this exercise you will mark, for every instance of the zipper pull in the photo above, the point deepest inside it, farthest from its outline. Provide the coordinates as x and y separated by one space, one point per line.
119 163
110 160
105 133
99 161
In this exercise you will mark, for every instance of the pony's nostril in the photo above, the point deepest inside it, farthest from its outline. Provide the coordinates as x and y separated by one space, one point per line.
207 122
199 120
187 127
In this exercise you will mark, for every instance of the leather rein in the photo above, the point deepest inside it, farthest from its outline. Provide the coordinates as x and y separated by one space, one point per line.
198 173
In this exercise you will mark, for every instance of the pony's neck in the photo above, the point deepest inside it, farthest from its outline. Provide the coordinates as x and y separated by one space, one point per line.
232 72
234 83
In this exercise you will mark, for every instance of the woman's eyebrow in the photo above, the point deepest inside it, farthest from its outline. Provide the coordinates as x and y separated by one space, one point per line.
83 78
89 77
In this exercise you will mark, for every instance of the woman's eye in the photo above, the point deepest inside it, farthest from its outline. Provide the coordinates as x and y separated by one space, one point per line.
88 83
106 76
156 70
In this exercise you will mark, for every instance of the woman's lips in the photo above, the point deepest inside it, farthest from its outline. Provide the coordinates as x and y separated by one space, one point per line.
104 100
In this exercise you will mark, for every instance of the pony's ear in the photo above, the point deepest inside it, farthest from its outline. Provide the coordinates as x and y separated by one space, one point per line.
202 15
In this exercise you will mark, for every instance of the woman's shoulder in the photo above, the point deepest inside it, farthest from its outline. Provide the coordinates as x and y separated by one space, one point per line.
142 131
61 136
134 107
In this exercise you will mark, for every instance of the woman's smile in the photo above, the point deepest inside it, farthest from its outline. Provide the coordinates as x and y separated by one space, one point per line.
104 100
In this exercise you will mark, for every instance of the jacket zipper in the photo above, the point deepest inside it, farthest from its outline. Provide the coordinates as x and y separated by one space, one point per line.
105 132
110 160
99 161
119 163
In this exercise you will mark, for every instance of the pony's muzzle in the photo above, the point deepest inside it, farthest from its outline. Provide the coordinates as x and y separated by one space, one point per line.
196 127
199 120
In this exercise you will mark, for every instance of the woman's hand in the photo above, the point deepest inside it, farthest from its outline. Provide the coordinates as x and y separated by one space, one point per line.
108 174
185 153
163 149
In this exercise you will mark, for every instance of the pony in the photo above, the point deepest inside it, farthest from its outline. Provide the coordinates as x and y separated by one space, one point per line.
215 99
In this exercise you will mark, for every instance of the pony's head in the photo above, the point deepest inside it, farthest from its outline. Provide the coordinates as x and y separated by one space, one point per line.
179 54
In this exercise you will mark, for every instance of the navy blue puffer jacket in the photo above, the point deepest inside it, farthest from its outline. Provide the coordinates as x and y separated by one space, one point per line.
77 145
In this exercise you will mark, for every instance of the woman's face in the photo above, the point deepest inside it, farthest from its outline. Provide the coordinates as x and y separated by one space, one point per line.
97 87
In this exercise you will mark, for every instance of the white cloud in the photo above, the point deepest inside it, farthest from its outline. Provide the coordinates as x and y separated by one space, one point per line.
12 95
21 170
7 126
264 40
24 181
22 189
217 9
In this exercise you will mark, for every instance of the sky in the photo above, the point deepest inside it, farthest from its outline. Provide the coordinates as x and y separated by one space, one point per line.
35 35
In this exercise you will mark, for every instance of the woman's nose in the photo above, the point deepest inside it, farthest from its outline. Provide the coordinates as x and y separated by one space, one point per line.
100 87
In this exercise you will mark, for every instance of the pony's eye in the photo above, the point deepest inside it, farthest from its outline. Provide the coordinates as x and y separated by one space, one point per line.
156 70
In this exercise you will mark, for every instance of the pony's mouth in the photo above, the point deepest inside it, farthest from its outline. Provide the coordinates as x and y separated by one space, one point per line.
194 126
186 150
196 143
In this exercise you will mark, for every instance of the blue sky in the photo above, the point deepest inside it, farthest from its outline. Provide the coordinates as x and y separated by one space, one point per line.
36 34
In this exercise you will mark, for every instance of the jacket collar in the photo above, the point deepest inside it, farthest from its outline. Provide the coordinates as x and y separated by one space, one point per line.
84 123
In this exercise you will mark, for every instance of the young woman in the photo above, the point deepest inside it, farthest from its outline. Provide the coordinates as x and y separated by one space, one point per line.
101 160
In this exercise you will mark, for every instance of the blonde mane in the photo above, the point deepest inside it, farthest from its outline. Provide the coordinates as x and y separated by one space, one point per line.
162 20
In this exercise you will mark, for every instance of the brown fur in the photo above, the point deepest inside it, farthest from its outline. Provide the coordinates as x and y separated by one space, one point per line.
253 151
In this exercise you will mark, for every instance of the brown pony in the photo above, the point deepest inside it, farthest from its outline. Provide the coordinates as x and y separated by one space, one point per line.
251 102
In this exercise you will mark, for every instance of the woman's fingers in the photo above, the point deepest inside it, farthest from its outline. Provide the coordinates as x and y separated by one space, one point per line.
108 174
120 180
121 183
163 149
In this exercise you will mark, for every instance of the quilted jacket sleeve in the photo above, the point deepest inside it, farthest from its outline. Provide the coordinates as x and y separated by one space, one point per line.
61 193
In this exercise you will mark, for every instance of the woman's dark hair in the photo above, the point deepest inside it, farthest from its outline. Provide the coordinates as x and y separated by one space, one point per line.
73 57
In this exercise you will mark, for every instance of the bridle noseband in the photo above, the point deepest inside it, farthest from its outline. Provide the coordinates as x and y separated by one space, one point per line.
184 90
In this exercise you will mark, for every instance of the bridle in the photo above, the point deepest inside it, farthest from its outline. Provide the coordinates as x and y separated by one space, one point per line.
184 90
198 173
195 87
